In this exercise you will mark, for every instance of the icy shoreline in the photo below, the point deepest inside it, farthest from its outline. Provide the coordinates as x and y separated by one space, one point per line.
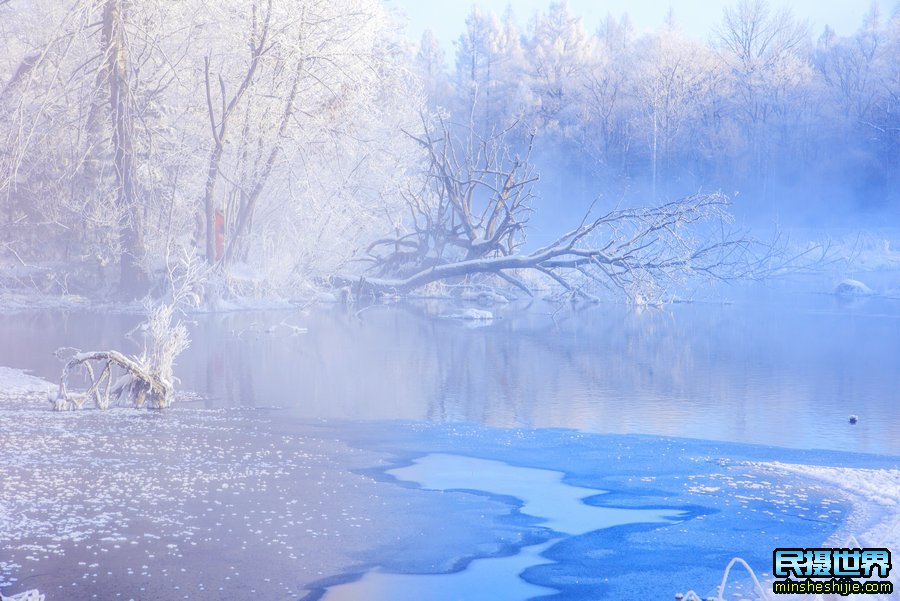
850 254
874 496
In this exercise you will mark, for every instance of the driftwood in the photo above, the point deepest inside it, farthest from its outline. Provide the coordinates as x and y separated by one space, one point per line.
145 380
135 386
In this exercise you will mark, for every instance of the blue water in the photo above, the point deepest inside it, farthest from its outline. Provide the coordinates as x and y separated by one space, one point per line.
543 494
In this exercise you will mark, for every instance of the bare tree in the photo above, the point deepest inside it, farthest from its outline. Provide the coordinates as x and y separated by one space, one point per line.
469 219
81 126
474 204
605 112
675 75
220 118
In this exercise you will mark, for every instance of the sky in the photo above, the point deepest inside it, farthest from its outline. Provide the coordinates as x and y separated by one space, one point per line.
446 18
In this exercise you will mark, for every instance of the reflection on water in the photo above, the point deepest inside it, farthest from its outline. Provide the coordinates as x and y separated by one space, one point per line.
755 372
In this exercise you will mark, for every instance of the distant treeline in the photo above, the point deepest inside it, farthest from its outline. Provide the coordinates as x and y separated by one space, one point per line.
764 106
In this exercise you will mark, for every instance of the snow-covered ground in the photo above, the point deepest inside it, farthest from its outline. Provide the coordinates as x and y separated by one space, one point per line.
196 504
867 250
874 495
15 383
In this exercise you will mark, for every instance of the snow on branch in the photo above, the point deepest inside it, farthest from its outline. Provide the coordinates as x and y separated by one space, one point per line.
470 218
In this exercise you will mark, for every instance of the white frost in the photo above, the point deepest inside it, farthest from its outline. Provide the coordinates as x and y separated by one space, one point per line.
26 596
16 381
875 498
472 314
850 287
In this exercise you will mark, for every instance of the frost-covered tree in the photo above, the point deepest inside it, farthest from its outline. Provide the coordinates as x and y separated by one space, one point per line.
859 79
431 65
849 66
80 120
265 134
513 90
675 77
764 54
476 63
561 54
607 107
490 70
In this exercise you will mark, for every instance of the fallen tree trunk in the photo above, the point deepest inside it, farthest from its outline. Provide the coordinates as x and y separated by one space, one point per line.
638 252
136 385
470 215
144 380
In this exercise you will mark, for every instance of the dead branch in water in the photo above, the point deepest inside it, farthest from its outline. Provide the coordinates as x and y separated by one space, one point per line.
144 380
135 386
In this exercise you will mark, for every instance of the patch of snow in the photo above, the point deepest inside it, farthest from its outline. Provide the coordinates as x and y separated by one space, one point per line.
27 300
26 596
869 251
874 495
239 270
849 287
18 382
221 305
488 297
472 314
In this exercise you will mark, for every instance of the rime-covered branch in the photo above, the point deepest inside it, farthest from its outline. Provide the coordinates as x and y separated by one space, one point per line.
143 380
470 219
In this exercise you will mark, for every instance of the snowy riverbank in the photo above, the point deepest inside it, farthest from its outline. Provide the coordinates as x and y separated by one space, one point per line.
872 255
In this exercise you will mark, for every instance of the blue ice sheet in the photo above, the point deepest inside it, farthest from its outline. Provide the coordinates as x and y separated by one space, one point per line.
725 508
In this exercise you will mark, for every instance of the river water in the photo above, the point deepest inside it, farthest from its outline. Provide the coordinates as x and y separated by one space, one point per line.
395 452
782 371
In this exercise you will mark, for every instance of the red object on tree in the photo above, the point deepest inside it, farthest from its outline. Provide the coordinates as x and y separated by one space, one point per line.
220 234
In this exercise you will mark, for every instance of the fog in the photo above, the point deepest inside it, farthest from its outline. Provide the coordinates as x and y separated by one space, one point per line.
384 300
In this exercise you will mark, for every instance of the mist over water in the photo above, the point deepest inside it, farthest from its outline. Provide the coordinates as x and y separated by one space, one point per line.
701 362
783 371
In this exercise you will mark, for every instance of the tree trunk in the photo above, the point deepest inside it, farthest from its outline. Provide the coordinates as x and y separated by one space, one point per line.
220 130
245 214
209 199
132 281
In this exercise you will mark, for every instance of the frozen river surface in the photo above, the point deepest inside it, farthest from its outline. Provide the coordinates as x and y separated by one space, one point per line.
393 454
